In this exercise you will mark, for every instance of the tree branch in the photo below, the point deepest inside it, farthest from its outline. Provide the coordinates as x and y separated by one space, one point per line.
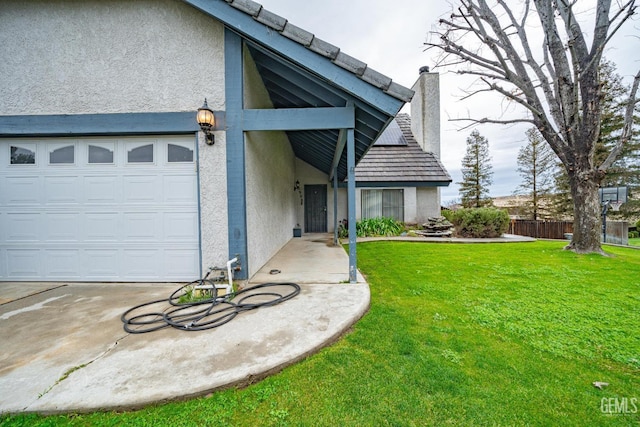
627 130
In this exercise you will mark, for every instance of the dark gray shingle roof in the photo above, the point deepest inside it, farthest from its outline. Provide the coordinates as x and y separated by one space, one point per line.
311 42
398 163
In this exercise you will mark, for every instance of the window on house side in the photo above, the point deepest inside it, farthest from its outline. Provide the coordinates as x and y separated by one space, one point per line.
383 203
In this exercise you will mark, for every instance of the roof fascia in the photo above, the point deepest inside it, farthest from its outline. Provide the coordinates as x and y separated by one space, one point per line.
248 27
101 124
397 184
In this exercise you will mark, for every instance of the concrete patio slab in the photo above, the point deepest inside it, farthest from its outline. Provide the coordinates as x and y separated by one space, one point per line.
64 348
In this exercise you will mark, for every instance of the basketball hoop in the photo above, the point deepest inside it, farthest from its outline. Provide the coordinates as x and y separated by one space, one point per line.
615 205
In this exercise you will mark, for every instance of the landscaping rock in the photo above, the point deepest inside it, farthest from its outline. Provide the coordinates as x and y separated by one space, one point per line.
436 227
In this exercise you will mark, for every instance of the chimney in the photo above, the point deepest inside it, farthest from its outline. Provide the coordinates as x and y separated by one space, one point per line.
425 111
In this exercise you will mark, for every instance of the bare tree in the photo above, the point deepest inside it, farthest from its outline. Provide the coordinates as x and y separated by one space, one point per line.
559 87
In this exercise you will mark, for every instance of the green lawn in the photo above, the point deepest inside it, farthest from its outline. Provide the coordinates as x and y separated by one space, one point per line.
634 242
469 335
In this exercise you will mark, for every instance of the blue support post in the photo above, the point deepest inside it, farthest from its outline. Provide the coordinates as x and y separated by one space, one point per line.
351 190
335 207
236 181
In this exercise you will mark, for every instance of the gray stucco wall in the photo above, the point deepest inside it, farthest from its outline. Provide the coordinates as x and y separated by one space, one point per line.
213 202
121 56
270 178
428 203
108 56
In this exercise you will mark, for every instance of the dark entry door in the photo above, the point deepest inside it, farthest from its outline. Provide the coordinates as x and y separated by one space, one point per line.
315 208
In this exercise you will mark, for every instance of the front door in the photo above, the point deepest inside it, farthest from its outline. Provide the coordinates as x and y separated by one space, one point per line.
315 208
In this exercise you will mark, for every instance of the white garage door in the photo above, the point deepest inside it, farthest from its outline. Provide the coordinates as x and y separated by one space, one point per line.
99 209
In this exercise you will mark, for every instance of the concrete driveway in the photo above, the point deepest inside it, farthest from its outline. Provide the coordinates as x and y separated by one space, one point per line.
64 348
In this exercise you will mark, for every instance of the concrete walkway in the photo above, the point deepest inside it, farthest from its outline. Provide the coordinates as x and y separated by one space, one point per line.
64 348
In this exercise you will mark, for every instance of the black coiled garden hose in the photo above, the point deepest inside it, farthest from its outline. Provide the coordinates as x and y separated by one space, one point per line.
205 314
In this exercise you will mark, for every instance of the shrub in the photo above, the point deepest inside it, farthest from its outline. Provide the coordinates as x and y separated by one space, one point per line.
480 222
372 227
447 213
634 234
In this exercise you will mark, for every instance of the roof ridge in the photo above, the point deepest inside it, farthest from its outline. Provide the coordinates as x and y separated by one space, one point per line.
323 48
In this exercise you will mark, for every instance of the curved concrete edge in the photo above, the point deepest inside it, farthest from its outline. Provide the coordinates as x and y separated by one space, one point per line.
506 238
168 365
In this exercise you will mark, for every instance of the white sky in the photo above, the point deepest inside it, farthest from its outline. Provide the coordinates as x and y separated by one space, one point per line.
389 37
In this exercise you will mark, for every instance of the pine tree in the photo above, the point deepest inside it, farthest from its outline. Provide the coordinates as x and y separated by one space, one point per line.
625 171
536 163
476 172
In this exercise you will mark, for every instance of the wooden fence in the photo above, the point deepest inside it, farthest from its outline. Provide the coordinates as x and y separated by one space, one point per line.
540 229
617 231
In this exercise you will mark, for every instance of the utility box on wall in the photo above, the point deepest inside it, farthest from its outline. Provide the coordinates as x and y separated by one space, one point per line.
297 232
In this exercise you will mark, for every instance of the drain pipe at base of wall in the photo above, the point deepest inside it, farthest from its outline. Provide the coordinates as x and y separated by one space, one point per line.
229 287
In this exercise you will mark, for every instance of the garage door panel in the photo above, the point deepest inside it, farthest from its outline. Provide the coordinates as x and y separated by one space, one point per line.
141 189
61 227
180 226
62 263
101 189
179 262
62 189
101 264
99 209
3 264
24 190
102 226
142 263
179 189
23 227
23 263
142 226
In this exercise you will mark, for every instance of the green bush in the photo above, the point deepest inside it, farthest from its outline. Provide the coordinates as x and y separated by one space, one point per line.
447 213
634 234
480 222
373 227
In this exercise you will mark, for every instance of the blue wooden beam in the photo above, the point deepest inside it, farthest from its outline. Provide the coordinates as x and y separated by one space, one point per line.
236 181
351 201
299 119
336 240
100 124
321 66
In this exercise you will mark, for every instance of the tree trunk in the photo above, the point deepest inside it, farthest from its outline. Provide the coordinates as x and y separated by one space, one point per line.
587 222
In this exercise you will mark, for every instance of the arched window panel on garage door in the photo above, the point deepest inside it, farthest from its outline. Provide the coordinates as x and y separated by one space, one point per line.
61 153
101 153
140 152
180 152
22 154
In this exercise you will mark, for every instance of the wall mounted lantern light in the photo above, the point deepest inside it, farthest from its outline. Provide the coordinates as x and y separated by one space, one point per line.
207 122
296 187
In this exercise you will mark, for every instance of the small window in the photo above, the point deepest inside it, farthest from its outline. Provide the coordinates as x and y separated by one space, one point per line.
383 203
62 154
179 153
101 153
24 154
140 154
